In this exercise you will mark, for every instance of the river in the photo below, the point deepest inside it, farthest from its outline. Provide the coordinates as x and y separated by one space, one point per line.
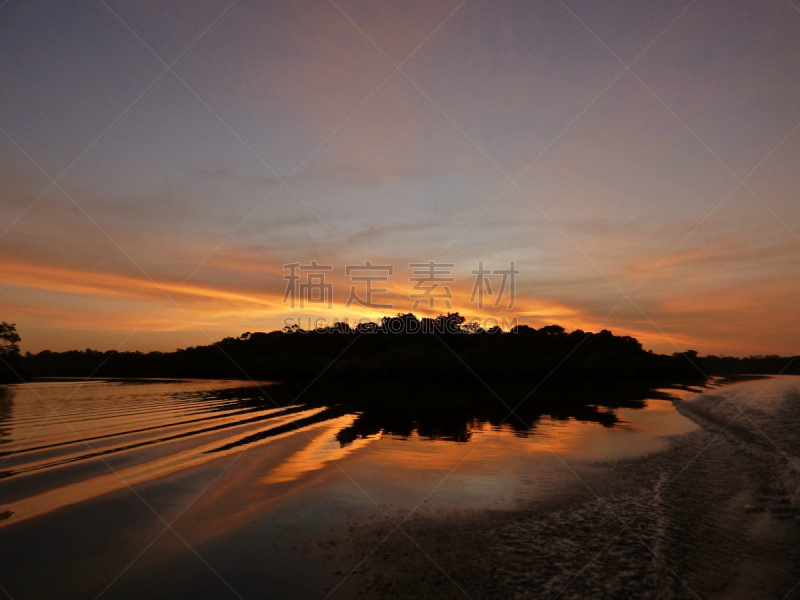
214 489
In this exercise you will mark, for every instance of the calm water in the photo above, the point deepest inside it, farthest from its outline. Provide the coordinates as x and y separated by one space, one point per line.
208 489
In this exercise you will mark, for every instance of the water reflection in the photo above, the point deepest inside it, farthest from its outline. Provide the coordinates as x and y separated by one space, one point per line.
319 451
6 408
113 434
453 412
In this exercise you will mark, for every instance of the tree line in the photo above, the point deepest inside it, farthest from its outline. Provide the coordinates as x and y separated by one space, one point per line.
401 348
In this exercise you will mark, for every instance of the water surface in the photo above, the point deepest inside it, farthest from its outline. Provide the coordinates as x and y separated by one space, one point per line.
214 488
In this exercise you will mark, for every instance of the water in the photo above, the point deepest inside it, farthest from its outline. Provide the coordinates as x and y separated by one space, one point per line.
212 489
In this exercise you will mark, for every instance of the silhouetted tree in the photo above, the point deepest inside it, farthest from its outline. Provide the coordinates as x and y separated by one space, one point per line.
451 323
398 348
9 339
11 369
552 330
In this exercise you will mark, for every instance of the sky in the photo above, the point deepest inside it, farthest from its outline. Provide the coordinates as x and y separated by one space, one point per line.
162 163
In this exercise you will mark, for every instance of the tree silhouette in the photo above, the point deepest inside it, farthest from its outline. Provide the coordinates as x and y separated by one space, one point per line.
401 347
9 339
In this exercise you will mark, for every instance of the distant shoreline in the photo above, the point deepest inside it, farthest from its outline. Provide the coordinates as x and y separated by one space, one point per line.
454 352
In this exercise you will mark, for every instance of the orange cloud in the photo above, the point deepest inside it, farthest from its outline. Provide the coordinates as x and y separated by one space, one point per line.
57 279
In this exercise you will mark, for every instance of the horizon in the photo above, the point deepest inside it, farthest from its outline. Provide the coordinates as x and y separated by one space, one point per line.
331 327
637 164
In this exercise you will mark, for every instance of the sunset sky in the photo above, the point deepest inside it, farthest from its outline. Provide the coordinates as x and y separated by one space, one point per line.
637 160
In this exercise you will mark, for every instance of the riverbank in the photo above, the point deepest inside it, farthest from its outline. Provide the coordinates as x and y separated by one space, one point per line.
713 515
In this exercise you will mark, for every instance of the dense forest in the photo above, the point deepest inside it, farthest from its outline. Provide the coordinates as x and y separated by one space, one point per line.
403 348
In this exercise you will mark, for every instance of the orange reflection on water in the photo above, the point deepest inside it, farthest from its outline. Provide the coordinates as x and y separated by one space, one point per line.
493 458
318 452
92 488
638 430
